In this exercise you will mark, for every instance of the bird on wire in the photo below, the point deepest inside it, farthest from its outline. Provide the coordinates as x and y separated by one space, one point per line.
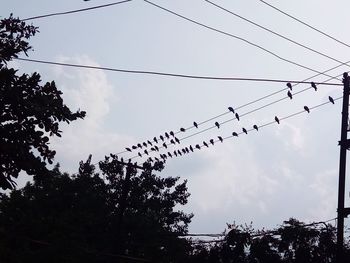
277 120
165 146
195 124
161 137
290 94
155 139
217 124
306 108
231 109
191 148
205 144
255 127
237 116
128 149
331 99
167 135
182 129
289 86
211 141
177 140
144 144
235 134
314 86
172 133
245 130
198 147
220 139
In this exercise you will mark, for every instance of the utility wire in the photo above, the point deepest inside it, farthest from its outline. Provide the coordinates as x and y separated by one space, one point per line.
276 34
75 11
236 37
305 24
172 74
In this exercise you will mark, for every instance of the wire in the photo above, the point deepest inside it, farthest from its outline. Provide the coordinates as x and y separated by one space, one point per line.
305 24
171 74
74 11
275 33
236 37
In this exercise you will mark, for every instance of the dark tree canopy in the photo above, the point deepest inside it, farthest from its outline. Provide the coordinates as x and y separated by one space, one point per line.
30 112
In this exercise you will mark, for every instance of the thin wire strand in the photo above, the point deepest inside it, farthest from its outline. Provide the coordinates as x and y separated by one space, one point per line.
305 24
276 34
236 37
171 74
75 11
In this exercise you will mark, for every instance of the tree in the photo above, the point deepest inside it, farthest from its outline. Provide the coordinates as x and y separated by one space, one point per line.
30 112
78 218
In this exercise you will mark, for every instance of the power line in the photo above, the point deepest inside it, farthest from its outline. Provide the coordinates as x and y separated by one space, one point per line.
172 74
305 24
75 11
275 33
236 37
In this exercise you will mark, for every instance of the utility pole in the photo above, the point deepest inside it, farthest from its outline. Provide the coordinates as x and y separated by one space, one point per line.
344 146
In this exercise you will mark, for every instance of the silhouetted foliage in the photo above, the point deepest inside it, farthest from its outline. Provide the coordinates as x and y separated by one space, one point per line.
84 218
30 112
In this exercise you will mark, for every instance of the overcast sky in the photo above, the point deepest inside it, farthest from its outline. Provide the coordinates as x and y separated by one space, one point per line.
267 176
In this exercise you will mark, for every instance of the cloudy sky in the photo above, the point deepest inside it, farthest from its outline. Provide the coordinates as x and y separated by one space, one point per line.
266 176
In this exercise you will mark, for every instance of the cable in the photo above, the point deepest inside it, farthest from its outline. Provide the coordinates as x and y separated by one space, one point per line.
236 37
170 74
275 33
305 24
74 11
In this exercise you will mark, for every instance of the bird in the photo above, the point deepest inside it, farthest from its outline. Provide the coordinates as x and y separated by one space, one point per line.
179 152
277 120
191 148
170 155
183 151
237 116
220 138
156 147
161 137
172 141
144 144
153 149
205 144
235 134
139 145
244 130
155 140
211 141
128 149
134 147
149 142
290 94
314 85
172 133
307 109
255 127
331 99
195 124
165 146
289 86
146 152
155 158
231 109
187 150
217 124
177 140
175 153
139 154
150 159
198 147
167 135
182 129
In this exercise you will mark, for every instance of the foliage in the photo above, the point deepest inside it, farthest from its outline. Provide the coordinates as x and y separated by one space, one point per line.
30 112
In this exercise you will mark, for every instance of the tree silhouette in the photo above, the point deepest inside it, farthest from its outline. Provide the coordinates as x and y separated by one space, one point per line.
30 112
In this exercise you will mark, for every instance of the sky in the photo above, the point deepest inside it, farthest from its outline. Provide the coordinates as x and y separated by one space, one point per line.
265 177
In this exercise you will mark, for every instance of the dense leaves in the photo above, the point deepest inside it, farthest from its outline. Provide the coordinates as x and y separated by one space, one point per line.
30 112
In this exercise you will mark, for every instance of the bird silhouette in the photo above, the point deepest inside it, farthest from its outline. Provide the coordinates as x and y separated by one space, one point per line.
128 149
149 142
139 145
235 134
139 154
331 99
237 116
150 159
156 147
314 85
170 155
290 94
231 109
146 152
153 149
195 124
167 135
255 127
155 158
155 140
172 141
307 109
183 151
244 130
175 153
191 148
171 133
211 141
198 147
182 129
179 152
205 144
220 138
289 86
144 144
165 146
187 150
134 147
277 120
177 140
161 137
217 124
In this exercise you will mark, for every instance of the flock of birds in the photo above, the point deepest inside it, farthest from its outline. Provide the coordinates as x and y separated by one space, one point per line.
164 141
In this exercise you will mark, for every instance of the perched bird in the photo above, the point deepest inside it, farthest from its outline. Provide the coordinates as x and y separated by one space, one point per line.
153 149
161 137
156 147
217 124
231 109
277 120
149 142
139 145
331 99
172 141
150 159
307 109
244 130
155 158
237 116
191 148
134 147
144 144
211 141
170 155
255 127
146 152
162 156
235 134
220 138
128 149
177 140
165 146
290 94
167 135
179 152
205 144
155 140
314 86
172 133
139 154
187 150
289 86
182 129
175 153
198 147
195 124
183 151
